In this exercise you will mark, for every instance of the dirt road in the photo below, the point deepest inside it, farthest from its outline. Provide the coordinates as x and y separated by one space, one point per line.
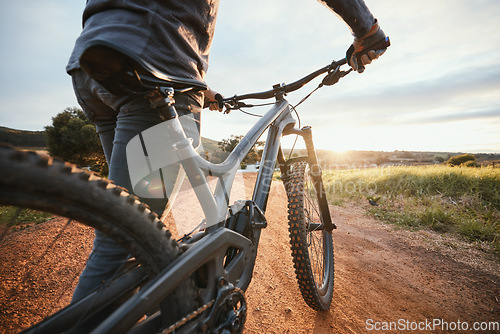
381 276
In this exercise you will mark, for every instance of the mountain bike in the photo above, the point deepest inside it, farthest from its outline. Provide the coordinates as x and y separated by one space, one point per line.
194 283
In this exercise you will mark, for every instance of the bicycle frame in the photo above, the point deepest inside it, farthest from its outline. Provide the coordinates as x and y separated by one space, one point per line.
211 249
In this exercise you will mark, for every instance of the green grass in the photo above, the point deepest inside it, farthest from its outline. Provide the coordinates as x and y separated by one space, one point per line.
460 200
18 218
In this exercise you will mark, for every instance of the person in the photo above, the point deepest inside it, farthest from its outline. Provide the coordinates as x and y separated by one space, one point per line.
174 37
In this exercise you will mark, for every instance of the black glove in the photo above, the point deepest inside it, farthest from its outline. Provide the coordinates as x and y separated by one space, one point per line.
367 48
213 100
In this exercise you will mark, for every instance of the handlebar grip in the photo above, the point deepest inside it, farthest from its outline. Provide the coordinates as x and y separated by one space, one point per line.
382 44
220 100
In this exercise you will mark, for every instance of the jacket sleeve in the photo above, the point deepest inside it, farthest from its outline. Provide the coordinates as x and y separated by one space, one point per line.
354 12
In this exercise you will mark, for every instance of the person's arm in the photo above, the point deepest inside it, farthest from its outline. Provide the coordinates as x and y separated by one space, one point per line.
355 13
370 41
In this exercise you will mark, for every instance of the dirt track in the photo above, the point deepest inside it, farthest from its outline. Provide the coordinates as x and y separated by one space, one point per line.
380 274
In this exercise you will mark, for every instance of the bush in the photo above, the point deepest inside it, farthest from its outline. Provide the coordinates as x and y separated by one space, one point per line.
463 159
470 163
73 138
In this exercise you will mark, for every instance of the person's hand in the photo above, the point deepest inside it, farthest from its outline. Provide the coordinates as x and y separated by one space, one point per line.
213 100
367 48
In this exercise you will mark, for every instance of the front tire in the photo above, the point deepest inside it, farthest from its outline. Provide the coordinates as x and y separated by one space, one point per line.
311 244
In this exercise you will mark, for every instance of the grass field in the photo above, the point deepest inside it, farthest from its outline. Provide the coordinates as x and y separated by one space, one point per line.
16 218
460 200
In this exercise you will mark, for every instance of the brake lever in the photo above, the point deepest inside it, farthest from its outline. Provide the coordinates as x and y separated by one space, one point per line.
334 76
231 104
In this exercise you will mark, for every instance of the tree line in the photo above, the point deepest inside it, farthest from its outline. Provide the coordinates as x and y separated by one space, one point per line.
73 138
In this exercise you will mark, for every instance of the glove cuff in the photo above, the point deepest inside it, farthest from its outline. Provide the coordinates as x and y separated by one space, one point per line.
375 27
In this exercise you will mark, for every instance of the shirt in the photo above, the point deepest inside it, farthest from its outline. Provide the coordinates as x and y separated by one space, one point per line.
175 36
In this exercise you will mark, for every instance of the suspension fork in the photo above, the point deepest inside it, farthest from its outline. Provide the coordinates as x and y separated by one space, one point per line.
316 172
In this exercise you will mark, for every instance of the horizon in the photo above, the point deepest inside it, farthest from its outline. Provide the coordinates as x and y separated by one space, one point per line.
333 151
435 89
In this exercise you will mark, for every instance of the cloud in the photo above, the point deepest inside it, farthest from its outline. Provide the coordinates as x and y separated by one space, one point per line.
459 93
442 70
473 115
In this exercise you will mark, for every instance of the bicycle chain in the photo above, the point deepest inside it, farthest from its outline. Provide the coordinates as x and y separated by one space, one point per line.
193 315
188 318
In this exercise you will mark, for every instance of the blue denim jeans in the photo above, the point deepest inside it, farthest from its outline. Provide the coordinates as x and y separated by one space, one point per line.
117 120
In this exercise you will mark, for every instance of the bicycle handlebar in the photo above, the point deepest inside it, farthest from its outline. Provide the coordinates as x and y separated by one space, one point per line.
284 89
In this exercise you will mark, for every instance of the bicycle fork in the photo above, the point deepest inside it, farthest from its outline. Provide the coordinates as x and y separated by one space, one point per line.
316 171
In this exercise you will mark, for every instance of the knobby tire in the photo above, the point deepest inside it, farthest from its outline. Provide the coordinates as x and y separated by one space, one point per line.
311 244
30 180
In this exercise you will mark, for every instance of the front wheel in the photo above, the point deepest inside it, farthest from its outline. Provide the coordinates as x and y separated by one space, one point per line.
311 244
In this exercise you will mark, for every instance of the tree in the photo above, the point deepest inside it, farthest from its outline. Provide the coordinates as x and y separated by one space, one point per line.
73 138
228 145
438 158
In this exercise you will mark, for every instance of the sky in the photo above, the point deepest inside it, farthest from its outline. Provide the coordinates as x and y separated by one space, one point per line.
437 88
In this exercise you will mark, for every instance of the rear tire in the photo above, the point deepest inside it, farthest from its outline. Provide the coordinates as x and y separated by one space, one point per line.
29 180
311 244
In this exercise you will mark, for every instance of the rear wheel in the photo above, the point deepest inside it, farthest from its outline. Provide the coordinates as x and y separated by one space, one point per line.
37 257
311 244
